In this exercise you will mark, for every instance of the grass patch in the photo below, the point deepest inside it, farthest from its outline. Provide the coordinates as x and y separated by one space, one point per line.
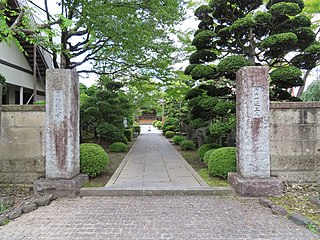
195 162
212 181
3 207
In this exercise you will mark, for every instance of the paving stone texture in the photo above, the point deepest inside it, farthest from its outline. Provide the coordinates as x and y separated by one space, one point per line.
154 162
151 217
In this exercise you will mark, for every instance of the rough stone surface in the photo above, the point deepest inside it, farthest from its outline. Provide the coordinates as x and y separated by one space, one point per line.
278 210
6 201
61 187
265 202
315 200
295 141
180 218
3 220
43 200
22 144
300 219
253 155
15 213
62 124
255 187
29 207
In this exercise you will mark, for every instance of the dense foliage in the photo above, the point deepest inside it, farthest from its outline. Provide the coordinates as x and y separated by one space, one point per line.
222 161
274 33
187 145
93 159
177 139
118 147
205 148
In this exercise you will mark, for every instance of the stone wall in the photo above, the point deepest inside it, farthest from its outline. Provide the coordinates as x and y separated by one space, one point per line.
22 143
295 141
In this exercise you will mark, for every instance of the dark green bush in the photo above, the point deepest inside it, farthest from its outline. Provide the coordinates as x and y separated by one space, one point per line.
120 138
187 145
137 129
178 139
222 161
118 147
206 147
232 64
207 155
169 134
128 133
93 159
202 71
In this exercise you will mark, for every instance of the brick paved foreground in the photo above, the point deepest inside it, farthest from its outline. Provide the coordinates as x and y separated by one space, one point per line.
183 217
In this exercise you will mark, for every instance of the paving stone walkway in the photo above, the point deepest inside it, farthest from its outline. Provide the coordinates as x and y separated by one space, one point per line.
153 218
154 162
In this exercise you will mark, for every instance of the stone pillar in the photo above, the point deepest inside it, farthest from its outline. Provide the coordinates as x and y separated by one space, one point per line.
1 90
62 134
253 154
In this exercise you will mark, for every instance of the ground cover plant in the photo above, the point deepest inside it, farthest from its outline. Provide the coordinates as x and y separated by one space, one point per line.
187 145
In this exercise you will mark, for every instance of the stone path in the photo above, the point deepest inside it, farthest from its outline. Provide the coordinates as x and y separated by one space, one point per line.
154 167
153 218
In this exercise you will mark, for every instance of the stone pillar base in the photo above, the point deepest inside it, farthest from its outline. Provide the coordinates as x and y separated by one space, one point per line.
255 187
60 187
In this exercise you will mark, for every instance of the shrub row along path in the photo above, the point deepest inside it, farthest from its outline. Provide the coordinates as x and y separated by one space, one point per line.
153 162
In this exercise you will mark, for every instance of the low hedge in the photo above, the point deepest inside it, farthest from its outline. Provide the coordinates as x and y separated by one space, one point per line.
118 147
187 145
177 139
169 134
128 133
93 159
206 147
207 155
222 161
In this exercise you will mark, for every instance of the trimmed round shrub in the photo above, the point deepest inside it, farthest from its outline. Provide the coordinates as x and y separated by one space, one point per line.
187 145
169 134
120 138
207 155
128 133
222 161
118 147
93 159
206 147
177 139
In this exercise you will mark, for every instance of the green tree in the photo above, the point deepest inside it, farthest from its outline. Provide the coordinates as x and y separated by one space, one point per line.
118 36
104 111
312 94
242 33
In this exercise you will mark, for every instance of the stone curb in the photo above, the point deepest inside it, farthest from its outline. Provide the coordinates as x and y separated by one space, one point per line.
297 218
11 214
113 191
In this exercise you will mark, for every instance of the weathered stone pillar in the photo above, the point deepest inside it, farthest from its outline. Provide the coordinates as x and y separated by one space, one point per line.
62 134
1 89
62 124
253 154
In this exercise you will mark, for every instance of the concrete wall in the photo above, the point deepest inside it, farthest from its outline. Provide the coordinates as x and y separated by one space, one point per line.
295 141
22 143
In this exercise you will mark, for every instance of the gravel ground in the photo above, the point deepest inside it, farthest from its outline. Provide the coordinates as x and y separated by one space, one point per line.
179 217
